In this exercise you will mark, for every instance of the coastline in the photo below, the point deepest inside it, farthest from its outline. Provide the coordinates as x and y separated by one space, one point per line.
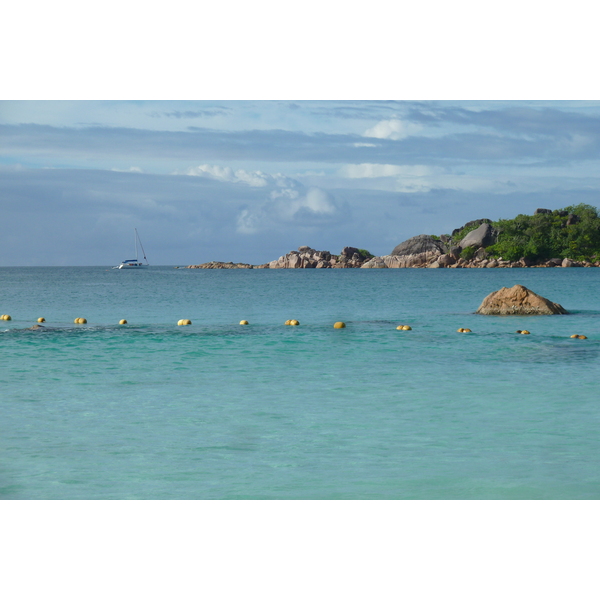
441 261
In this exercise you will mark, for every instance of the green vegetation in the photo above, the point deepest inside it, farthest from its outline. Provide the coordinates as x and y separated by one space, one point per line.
468 253
555 235
365 254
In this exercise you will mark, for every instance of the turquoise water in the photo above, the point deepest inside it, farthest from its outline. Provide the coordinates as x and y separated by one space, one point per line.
217 410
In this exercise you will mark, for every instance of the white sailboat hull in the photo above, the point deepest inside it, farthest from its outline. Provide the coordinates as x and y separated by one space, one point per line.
131 266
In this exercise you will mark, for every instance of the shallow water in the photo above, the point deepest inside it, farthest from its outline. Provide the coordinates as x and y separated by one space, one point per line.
218 410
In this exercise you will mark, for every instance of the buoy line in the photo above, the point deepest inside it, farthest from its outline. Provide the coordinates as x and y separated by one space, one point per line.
291 322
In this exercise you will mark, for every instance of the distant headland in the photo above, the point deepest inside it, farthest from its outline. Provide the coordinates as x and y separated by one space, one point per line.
568 237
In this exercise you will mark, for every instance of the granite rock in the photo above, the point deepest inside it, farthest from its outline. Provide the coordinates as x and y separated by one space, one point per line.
518 300
418 245
484 235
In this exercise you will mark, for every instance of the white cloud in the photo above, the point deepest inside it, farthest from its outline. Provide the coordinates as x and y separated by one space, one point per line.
287 202
392 129
289 206
364 145
400 178
251 178
370 170
248 222
130 170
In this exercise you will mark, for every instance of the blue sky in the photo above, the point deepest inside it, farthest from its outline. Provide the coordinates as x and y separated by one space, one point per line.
291 158
250 180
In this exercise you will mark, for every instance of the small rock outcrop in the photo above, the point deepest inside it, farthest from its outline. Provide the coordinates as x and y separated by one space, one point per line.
518 300
221 265
309 258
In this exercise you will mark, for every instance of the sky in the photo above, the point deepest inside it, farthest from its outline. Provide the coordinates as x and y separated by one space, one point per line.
250 180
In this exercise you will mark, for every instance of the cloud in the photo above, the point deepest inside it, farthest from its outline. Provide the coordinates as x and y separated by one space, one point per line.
130 170
401 178
41 145
393 129
251 178
370 170
288 201
304 208
192 114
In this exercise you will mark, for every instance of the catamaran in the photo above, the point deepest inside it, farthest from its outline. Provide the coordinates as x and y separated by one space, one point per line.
134 263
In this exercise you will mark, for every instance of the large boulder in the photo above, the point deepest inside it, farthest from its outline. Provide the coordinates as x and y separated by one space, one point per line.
484 235
474 223
417 245
349 251
518 300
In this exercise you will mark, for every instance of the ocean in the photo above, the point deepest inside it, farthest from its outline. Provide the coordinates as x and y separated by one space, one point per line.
219 410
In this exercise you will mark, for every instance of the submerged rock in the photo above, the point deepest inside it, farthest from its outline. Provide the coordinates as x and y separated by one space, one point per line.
518 300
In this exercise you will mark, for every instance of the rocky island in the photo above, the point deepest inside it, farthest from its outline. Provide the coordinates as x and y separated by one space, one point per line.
561 238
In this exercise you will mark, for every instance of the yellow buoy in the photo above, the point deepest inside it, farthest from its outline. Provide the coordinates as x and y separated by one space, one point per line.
7 318
459 330
244 322
574 336
525 332
80 321
41 320
339 325
294 322
123 322
406 328
184 322
582 337
287 322
466 331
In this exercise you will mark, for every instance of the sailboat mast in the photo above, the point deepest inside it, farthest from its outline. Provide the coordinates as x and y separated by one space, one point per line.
142 247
